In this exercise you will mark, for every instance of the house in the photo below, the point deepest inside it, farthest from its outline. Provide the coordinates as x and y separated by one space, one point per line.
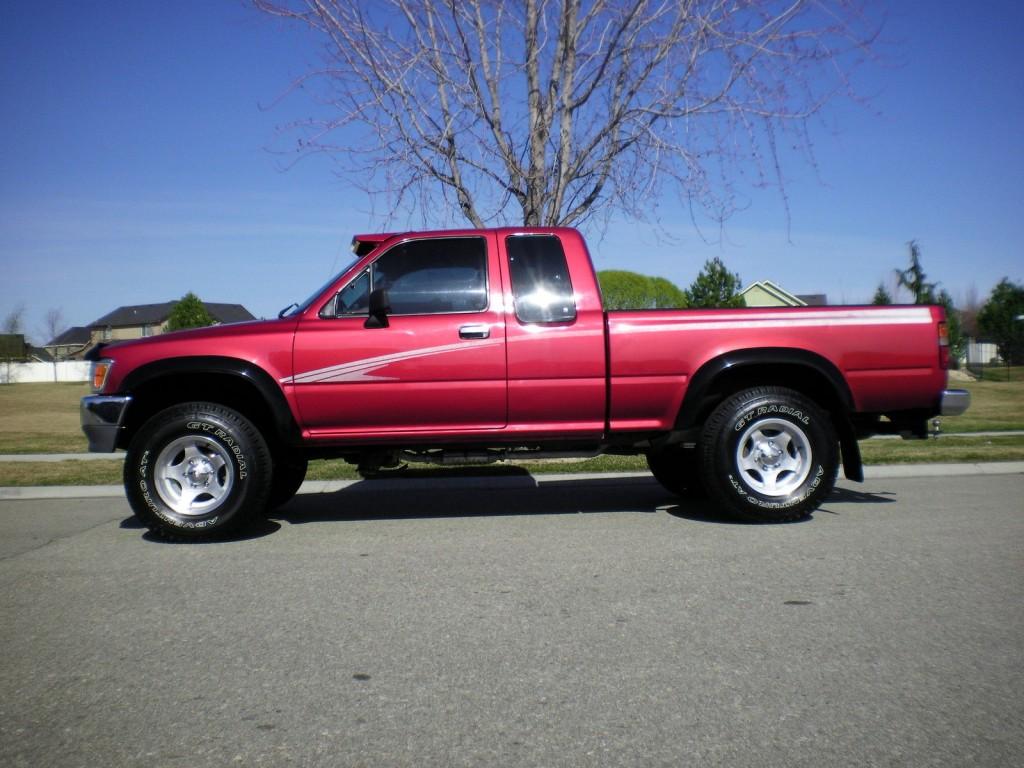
71 344
40 355
765 293
140 320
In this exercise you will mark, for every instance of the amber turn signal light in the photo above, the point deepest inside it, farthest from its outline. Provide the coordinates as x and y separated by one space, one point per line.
100 369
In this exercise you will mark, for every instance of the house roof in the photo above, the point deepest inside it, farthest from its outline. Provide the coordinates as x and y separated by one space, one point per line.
154 314
77 334
229 313
784 297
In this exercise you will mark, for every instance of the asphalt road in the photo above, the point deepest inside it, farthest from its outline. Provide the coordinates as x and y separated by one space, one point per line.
574 624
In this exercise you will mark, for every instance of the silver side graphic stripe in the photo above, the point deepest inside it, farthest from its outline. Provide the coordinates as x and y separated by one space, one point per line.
912 316
362 370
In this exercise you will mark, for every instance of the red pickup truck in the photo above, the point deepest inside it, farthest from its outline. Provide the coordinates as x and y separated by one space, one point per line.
473 346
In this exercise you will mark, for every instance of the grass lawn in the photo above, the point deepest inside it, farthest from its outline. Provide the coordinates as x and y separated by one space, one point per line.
948 449
43 418
37 473
1002 373
996 406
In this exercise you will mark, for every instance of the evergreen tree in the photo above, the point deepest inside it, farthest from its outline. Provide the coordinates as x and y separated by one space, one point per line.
914 279
715 286
189 312
881 297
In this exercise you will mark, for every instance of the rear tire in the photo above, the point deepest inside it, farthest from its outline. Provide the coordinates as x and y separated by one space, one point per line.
197 470
770 455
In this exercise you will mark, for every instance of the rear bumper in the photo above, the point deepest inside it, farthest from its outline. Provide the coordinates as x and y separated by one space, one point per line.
955 402
102 417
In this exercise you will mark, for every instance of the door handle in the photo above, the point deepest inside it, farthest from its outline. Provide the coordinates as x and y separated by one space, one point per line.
474 332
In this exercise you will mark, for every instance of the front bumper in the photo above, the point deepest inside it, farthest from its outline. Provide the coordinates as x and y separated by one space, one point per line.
955 402
102 417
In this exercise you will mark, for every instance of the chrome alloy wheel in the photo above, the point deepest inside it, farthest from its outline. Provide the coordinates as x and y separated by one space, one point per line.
194 475
774 457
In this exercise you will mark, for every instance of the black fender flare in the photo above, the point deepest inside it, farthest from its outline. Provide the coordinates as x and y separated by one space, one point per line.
784 360
249 372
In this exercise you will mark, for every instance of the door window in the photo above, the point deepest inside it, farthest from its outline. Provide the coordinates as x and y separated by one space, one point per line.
423 277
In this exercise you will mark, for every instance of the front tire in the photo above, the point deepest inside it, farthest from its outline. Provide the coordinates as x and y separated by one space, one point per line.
769 455
197 470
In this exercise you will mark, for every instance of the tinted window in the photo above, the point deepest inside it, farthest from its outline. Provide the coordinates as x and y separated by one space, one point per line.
434 276
540 279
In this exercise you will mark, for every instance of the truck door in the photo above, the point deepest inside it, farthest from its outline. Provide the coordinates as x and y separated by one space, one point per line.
438 365
556 352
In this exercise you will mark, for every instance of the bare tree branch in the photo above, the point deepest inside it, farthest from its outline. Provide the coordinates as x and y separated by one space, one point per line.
548 111
14 320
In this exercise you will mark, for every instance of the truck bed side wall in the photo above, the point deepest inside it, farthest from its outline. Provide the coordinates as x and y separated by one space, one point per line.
889 356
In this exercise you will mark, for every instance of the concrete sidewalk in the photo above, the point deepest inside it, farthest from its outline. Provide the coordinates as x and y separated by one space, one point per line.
515 481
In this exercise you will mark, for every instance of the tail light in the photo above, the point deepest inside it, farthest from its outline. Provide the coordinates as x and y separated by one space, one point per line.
944 346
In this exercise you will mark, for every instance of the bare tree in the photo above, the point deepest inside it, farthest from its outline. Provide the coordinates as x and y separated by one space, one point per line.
14 321
53 324
12 349
552 110
970 307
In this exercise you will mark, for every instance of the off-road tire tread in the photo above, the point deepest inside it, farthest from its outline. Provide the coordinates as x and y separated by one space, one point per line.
259 458
725 412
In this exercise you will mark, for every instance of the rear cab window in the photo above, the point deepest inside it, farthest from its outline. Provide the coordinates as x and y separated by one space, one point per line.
539 273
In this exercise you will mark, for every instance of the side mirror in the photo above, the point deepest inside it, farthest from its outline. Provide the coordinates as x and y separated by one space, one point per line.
379 308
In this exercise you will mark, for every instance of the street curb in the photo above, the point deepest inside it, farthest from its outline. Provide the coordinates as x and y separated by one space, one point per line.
885 472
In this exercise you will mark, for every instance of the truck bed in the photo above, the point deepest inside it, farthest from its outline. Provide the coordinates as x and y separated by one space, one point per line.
654 354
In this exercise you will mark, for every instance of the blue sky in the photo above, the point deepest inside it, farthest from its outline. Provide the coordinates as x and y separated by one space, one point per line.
134 166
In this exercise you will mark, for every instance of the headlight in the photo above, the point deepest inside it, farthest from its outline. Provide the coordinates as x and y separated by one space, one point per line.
98 374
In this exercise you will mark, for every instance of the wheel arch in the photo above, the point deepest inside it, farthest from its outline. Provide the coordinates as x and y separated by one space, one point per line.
800 370
231 382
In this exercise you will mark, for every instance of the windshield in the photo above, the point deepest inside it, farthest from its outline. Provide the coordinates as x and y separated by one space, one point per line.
298 309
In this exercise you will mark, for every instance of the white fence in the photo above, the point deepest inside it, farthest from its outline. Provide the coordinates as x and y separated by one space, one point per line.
25 373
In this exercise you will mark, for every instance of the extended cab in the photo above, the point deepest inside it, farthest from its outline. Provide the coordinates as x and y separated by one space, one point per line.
472 346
